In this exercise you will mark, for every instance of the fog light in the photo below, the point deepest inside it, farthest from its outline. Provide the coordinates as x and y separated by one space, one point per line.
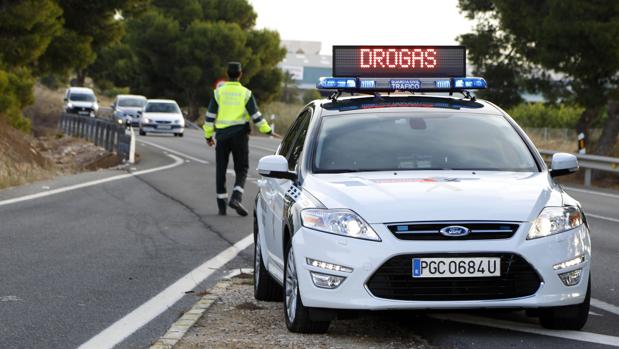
570 263
326 281
328 266
571 278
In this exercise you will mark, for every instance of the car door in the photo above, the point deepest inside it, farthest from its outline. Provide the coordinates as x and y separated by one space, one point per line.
268 191
281 187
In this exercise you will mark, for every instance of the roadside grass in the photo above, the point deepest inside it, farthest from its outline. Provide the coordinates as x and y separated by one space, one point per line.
284 114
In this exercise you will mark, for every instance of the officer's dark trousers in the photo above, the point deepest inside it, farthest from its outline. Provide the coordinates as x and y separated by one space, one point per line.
238 145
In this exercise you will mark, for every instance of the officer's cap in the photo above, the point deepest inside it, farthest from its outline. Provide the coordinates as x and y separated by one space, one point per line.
234 67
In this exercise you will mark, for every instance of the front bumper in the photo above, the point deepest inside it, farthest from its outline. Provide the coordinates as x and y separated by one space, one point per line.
81 111
366 257
162 128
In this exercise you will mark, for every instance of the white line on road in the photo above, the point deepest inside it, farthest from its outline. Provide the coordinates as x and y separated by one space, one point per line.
177 161
145 313
605 306
602 217
175 152
529 328
578 190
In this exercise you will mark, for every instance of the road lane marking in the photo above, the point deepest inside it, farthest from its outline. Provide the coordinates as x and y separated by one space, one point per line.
605 306
175 152
177 161
529 328
602 217
578 190
154 307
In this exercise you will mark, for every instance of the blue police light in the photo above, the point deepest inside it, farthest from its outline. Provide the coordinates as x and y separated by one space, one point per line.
337 83
470 83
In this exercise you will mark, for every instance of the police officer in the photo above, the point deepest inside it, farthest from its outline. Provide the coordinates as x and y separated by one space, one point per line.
228 115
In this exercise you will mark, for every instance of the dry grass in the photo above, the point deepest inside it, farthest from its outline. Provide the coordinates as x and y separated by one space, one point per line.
284 113
20 162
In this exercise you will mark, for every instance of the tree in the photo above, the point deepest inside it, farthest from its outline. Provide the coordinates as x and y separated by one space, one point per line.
182 49
26 29
89 27
577 39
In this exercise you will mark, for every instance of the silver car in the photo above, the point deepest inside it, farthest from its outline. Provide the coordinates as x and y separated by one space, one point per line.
125 108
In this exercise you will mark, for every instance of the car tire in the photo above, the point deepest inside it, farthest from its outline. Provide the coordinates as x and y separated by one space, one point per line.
181 135
265 287
570 317
142 133
296 314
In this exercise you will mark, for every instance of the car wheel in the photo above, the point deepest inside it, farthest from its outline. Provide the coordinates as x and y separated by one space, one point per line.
142 133
296 314
265 287
180 134
571 317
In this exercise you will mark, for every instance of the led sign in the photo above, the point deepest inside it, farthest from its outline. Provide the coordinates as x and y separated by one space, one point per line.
399 61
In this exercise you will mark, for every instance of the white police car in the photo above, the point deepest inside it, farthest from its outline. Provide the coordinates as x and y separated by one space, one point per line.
415 202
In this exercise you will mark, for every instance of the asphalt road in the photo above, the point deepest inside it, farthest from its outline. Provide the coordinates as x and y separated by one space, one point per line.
75 263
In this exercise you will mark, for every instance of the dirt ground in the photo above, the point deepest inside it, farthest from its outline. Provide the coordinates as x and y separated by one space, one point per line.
237 320
24 159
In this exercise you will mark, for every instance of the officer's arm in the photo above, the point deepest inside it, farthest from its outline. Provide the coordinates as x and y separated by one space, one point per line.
209 122
256 116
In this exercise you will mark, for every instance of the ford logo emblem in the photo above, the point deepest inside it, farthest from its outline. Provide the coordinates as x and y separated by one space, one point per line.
454 231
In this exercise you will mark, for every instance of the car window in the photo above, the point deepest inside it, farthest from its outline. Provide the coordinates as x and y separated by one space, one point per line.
82 97
131 102
286 145
162 108
400 141
297 147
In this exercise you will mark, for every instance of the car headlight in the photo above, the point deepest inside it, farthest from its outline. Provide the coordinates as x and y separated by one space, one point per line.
147 120
555 220
69 105
338 221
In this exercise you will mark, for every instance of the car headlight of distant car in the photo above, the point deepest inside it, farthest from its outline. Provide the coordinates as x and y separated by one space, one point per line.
555 220
338 221
69 105
147 120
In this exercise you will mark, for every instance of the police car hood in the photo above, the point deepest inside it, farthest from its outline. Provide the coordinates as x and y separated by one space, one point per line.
381 197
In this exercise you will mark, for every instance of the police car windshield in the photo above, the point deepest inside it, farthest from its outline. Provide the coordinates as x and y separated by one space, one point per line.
162 108
82 97
401 141
131 102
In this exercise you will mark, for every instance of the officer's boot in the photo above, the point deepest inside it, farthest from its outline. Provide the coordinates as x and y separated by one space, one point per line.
235 203
221 204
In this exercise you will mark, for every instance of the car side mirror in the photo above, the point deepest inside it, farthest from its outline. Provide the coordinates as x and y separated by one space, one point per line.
275 166
563 164
139 112
65 99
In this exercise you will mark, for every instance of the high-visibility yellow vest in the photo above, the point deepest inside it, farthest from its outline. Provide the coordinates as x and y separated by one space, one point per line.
232 97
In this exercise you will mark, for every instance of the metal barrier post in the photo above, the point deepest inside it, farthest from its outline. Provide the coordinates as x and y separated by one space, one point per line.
587 177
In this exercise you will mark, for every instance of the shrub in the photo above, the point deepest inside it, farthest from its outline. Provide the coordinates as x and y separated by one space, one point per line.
540 115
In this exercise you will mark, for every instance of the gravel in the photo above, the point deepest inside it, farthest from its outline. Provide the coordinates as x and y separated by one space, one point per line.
237 320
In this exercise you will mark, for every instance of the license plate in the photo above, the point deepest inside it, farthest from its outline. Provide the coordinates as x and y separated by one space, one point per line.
456 267
164 127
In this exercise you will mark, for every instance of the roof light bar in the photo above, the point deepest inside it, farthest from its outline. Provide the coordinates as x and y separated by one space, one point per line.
354 84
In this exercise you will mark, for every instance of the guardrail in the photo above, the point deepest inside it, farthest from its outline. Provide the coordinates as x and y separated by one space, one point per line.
102 132
589 163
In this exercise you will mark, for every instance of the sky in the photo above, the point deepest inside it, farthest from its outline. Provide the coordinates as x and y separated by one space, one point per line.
364 22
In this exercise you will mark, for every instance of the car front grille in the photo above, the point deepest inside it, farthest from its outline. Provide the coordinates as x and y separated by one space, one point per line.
431 230
393 280
163 122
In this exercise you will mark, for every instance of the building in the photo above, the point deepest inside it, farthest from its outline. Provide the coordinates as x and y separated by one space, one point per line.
305 63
